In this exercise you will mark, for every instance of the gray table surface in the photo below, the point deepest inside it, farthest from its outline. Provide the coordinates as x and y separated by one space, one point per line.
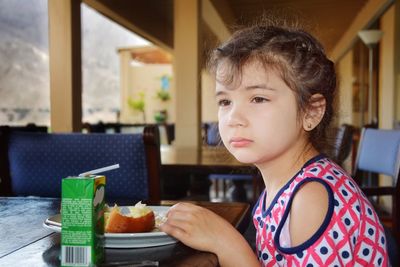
25 242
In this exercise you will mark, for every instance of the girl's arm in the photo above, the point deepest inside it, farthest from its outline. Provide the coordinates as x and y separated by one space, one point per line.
204 230
309 209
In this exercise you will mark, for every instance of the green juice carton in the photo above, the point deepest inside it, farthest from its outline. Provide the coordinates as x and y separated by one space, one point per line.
82 220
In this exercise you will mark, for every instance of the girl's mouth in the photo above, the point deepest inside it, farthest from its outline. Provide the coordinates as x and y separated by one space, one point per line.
240 142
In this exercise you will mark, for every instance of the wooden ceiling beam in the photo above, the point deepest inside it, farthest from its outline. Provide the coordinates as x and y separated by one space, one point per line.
225 11
214 21
136 18
372 10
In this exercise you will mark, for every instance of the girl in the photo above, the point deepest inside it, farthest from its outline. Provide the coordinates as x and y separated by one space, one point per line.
275 90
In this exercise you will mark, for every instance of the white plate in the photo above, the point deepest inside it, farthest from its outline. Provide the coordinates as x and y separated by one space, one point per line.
128 240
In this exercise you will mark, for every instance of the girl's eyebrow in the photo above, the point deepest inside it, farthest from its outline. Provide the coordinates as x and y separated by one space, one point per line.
220 93
259 86
249 87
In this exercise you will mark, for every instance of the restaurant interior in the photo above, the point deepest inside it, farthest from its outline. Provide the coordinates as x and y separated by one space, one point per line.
179 155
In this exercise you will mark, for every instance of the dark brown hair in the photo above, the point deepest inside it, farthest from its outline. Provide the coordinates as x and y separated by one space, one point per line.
297 56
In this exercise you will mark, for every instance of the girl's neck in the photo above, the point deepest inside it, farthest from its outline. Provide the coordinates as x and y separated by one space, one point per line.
277 172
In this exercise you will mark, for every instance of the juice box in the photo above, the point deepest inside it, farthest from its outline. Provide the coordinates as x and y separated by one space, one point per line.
82 220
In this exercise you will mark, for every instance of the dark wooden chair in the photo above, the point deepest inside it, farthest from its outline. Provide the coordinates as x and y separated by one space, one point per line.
35 163
343 143
30 127
379 152
170 131
99 127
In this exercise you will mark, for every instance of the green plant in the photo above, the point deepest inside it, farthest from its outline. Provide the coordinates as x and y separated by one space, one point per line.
161 116
163 95
138 104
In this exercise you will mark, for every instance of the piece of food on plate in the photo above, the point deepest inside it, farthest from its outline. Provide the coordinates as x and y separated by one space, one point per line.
139 219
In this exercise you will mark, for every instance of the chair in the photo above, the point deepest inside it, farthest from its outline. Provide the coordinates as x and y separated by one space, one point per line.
238 193
343 143
212 137
30 127
101 127
379 152
34 163
170 131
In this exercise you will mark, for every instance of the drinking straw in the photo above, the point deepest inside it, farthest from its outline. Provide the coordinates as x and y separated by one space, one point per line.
100 170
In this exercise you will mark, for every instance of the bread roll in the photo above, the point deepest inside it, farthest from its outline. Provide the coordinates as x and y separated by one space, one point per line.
140 219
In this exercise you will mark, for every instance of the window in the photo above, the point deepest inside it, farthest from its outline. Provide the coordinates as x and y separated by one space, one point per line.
24 62
101 39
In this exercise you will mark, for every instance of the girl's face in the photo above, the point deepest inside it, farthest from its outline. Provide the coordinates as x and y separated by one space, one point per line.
258 118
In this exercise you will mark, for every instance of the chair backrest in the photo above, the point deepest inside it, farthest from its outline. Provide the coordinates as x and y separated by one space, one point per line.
170 131
379 152
38 161
343 143
99 127
30 127
212 137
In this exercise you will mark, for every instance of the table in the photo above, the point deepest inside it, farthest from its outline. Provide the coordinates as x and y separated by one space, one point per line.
178 162
25 242
202 160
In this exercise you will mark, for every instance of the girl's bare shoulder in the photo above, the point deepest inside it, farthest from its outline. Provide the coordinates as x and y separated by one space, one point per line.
308 211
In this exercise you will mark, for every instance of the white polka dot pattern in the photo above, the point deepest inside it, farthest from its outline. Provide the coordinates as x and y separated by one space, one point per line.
39 161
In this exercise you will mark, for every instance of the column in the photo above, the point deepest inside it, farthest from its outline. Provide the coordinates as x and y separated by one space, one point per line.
65 65
187 69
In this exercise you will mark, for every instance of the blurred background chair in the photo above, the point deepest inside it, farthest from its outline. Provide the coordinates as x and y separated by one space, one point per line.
343 143
99 127
34 163
211 134
379 152
170 132
235 181
30 127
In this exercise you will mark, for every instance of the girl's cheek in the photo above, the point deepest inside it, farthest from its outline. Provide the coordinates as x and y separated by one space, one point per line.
220 114
223 114
222 134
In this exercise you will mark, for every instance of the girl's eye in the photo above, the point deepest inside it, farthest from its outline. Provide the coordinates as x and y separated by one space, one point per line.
223 102
259 99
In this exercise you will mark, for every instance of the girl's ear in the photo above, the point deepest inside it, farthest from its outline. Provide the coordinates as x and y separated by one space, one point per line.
315 112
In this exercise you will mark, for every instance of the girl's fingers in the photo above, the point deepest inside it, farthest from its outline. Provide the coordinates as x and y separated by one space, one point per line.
179 215
173 230
182 206
187 233
183 213
194 226
182 220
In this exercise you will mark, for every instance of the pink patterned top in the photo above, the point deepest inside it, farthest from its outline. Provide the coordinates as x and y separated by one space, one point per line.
350 235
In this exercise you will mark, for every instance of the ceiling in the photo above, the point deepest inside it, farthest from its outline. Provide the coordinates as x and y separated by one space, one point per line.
153 19
150 55
327 19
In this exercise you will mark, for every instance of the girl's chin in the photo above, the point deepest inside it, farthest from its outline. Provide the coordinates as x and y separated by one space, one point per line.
245 159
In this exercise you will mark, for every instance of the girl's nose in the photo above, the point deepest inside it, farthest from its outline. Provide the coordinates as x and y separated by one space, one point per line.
237 117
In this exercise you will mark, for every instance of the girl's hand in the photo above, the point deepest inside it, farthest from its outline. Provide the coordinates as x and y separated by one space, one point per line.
196 227
204 230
